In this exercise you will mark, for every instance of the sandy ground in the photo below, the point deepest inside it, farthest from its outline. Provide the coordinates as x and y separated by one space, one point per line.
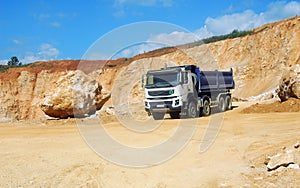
53 154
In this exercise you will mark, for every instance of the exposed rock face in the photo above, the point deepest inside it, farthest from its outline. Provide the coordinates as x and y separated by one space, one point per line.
20 98
290 84
76 94
258 60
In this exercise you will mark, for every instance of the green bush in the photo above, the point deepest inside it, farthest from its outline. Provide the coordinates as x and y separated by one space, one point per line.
3 68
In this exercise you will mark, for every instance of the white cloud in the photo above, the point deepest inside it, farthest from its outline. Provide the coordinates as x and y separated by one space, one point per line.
162 40
3 61
174 38
135 49
225 24
45 52
216 26
55 24
249 19
54 19
16 41
280 10
48 51
203 32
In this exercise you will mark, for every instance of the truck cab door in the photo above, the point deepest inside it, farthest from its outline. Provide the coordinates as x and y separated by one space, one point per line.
192 81
186 86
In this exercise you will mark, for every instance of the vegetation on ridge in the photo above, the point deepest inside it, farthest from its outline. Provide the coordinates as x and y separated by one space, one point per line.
234 34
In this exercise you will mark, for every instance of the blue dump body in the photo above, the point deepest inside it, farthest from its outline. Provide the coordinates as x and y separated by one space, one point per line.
211 80
216 80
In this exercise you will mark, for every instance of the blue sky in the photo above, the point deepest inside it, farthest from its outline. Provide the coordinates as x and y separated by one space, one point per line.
44 30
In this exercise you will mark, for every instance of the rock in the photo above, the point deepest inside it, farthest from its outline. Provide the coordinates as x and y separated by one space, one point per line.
267 160
283 159
289 85
293 166
288 158
76 94
110 110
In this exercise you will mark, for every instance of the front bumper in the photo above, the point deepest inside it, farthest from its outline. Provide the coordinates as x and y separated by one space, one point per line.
163 105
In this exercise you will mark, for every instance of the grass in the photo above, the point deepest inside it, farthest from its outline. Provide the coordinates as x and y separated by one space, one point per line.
234 34
3 68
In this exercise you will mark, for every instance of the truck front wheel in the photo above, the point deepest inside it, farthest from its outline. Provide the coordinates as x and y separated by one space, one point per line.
158 115
175 115
192 110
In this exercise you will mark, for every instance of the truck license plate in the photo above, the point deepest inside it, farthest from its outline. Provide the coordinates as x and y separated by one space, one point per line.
160 105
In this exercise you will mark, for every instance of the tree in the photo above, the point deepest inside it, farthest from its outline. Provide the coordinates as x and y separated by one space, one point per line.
14 61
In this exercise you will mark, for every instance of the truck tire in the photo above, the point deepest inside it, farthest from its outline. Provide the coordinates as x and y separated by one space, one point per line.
192 110
228 102
175 115
205 110
158 115
222 105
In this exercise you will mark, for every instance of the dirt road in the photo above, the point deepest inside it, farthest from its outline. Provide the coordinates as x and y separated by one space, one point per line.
53 154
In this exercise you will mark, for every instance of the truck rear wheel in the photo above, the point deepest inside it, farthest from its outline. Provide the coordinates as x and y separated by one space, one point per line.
175 115
222 105
205 111
158 115
192 110
228 102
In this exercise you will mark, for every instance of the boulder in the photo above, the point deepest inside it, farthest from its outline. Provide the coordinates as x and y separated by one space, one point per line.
289 85
76 95
110 110
289 158
281 160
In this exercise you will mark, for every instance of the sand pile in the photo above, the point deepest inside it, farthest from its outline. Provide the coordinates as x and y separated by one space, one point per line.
291 105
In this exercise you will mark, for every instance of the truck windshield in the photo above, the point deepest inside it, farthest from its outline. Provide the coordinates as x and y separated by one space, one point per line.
159 80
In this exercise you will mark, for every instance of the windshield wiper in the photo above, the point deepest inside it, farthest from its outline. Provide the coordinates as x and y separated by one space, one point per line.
151 86
165 84
159 85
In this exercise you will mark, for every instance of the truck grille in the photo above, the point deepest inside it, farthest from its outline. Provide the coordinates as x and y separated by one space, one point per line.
161 93
165 104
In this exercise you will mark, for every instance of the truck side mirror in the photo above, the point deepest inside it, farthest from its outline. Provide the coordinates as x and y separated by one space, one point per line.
143 80
181 81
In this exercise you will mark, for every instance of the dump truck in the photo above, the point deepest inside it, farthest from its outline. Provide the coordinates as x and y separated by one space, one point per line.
186 91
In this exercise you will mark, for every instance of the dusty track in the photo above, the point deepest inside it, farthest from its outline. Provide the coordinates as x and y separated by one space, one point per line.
53 154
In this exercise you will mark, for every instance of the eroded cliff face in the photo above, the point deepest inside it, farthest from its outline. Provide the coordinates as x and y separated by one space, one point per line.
259 61
20 98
